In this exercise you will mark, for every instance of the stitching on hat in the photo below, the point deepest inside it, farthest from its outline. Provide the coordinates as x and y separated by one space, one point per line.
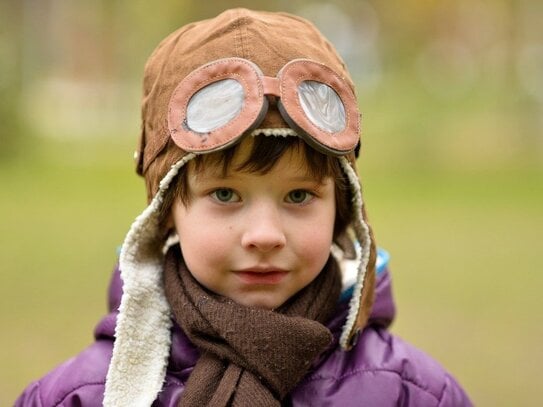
238 44
242 20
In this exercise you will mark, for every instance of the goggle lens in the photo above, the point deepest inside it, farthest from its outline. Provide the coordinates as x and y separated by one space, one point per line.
322 106
215 105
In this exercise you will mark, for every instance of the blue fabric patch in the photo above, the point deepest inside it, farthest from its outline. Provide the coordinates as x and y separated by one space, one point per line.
381 263
383 257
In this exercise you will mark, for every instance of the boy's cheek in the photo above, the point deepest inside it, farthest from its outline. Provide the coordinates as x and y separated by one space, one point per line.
205 249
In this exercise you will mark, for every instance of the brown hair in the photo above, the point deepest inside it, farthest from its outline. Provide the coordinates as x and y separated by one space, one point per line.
265 153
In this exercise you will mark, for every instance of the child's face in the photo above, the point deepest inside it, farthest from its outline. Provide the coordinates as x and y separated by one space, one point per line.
256 238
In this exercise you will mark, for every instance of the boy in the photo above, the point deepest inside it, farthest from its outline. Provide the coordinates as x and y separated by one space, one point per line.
251 278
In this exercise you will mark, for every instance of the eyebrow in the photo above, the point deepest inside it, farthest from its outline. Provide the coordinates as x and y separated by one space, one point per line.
200 177
308 178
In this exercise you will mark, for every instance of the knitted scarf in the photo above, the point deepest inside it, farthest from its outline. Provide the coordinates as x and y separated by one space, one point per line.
249 356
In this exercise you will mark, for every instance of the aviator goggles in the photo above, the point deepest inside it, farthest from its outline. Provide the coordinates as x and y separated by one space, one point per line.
217 103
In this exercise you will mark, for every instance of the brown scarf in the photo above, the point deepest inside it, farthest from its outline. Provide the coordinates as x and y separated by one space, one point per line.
249 356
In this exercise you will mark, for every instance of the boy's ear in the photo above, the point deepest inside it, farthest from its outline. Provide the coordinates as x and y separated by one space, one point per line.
170 225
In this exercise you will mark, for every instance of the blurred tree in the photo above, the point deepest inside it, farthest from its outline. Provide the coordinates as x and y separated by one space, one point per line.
10 78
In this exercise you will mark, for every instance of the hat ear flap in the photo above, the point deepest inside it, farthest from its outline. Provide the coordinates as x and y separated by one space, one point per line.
361 302
368 288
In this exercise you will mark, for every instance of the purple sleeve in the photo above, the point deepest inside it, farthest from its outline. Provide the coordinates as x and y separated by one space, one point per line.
87 395
79 381
30 397
454 395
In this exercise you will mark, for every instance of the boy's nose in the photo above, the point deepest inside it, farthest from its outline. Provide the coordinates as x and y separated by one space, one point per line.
263 229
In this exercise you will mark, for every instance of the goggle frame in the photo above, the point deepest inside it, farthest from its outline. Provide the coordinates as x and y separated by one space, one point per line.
256 86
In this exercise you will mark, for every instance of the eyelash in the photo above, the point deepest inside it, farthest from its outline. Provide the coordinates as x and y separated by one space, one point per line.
308 196
214 195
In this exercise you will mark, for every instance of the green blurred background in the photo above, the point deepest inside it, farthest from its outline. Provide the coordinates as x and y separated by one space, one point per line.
452 165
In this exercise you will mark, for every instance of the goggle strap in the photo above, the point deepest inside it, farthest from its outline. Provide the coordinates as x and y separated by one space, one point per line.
271 86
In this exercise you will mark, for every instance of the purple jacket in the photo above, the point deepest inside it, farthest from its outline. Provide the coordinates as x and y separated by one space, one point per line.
381 370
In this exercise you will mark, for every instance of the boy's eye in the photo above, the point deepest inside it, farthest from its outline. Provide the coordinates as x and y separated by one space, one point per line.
225 195
299 196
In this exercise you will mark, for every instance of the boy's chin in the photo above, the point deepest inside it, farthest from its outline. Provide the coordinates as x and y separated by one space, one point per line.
264 302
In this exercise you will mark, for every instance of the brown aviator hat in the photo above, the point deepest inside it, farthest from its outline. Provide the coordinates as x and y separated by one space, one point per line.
235 33
239 39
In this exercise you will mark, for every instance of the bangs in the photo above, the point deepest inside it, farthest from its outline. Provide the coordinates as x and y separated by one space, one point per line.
265 152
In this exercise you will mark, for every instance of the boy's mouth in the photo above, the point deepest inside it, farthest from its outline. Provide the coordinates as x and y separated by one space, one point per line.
261 275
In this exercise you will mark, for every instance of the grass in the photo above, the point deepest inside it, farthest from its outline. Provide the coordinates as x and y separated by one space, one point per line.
466 260
465 252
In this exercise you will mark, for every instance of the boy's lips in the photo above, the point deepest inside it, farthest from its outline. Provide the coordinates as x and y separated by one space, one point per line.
261 275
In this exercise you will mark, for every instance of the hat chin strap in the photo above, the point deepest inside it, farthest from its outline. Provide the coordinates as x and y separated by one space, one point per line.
142 334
